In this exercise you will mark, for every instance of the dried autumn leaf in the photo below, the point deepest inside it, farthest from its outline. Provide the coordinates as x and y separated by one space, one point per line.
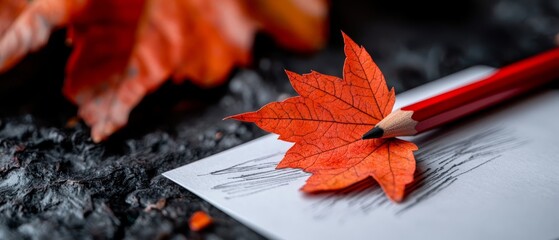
96 76
125 49
199 221
9 11
31 29
326 123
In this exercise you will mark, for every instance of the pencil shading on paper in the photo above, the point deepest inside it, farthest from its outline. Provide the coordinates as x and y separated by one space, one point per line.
255 175
439 165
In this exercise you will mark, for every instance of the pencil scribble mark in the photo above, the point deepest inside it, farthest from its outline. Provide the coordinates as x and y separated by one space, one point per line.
440 164
256 175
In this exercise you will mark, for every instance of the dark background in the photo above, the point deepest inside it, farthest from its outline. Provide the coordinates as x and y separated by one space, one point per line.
55 183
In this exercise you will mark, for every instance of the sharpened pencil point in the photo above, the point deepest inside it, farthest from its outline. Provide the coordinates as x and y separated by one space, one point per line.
376 132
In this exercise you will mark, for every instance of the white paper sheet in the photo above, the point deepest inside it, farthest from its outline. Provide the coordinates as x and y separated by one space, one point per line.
494 176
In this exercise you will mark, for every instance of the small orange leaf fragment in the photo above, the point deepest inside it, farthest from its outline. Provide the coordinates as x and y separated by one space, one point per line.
160 204
199 220
326 123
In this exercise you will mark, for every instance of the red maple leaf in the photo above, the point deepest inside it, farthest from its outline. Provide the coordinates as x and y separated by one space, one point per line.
326 123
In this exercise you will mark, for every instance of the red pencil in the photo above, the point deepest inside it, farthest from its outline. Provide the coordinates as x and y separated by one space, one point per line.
504 84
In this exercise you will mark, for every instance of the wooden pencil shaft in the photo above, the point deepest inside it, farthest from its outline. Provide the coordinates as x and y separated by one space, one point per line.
504 84
398 123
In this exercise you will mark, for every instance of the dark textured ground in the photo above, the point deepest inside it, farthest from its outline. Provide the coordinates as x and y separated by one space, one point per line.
56 184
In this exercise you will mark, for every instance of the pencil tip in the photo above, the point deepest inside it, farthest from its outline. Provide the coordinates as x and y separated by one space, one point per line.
376 132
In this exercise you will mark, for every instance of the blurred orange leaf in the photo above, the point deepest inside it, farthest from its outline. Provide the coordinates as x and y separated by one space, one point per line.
199 220
326 123
125 49
9 11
